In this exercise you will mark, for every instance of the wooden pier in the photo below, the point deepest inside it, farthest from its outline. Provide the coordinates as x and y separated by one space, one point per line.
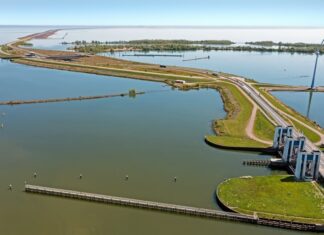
131 93
171 208
140 203
272 163
198 58
155 55
257 162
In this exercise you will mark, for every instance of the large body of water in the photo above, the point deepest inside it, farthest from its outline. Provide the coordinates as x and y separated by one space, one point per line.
152 138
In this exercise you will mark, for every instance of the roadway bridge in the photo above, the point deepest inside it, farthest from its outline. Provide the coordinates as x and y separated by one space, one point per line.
302 156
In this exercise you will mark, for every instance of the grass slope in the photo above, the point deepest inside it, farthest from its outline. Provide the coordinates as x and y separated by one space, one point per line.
314 137
263 128
231 130
274 197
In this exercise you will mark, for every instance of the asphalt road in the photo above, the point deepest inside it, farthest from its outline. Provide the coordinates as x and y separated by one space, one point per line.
254 94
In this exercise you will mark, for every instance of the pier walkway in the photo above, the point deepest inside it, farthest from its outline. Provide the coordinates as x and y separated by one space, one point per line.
171 208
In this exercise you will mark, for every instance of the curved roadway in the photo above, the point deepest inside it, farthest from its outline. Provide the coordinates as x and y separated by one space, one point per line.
264 104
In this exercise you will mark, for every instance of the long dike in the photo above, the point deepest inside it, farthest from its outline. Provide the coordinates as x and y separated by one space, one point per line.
171 208
21 102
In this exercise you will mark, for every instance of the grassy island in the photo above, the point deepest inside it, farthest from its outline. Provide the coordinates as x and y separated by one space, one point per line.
187 45
277 197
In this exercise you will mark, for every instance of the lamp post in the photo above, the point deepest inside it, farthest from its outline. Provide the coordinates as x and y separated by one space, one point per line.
314 74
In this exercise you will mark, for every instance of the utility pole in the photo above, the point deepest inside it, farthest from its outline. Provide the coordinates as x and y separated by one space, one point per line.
314 73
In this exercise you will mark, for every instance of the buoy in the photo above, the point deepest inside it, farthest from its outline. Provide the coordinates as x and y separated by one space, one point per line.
126 177
35 175
10 187
80 176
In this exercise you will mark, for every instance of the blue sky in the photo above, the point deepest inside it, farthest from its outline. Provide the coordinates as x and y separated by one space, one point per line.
297 13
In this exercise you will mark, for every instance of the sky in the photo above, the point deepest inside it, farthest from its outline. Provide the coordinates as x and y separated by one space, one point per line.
247 13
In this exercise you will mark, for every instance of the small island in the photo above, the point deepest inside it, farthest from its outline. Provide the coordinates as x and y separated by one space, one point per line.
187 45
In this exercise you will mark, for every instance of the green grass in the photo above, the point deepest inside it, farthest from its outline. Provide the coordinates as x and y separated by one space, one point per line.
110 71
231 130
234 142
278 104
312 136
263 128
274 197
238 112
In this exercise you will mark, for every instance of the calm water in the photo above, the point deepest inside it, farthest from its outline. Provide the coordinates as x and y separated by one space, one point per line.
151 138
239 34
11 33
279 68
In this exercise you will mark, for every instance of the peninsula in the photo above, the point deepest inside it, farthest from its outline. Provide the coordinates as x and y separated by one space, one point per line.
255 121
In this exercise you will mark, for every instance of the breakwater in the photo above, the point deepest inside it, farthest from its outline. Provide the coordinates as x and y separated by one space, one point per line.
21 102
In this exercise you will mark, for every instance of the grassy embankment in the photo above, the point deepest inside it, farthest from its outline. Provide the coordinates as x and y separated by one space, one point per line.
263 128
311 135
7 53
277 197
231 130
151 75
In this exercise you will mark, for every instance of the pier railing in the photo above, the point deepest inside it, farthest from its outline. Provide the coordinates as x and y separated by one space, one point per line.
171 208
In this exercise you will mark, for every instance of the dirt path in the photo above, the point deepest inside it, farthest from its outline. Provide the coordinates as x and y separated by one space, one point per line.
250 127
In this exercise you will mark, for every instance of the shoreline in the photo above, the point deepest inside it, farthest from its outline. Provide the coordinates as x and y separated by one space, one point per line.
266 215
233 95
193 78
267 150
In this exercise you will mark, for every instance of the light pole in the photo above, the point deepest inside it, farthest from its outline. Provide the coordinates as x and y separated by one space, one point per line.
317 55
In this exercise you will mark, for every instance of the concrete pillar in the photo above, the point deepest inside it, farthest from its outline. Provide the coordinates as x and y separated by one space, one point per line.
302 141
302 159
287 149
316 164
277 135
290 130
300 168
292 147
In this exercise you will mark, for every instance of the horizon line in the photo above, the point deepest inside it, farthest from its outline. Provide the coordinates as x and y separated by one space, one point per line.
167 26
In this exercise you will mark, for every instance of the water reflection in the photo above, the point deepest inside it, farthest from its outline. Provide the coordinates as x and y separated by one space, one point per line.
309 103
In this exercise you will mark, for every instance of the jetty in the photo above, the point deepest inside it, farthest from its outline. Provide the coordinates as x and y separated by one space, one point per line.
155 55
271 163
171 208
131 93
198 58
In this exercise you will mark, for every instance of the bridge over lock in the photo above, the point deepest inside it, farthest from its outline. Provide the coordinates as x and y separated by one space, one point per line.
300 155
298 152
